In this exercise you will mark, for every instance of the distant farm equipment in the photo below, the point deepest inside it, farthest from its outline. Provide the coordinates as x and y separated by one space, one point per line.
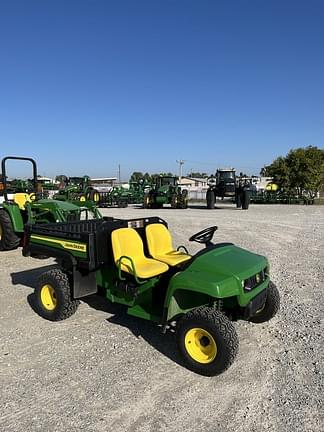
226 183
166 191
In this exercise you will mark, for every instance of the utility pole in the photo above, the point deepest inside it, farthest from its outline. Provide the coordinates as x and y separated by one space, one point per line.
119 173
180 162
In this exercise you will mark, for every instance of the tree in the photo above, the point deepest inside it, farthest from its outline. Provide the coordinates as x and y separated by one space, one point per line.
136 176
148 178
300 172
197 175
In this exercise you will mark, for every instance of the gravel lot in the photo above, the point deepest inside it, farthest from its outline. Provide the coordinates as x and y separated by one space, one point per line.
104 371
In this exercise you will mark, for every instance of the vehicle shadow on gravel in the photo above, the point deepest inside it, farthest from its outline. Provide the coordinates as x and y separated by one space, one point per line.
150 332
29 278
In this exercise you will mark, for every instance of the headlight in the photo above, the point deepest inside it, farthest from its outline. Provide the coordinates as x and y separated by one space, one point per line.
255 280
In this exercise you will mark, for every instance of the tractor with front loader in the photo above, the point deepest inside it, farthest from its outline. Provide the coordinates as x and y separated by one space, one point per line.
77 190
29 207
166 190
133 263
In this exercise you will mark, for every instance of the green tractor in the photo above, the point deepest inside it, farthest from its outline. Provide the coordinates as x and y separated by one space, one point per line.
19 208
166 191
79 192
133 263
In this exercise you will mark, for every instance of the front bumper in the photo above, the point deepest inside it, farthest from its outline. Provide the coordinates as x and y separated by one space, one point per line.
255 304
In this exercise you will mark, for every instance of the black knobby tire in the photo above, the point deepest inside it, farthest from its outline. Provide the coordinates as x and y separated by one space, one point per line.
65 305
175 201
210 197
183 199
93 195
184 203
222 331
271 306
245 200
8 238
147 201
238 200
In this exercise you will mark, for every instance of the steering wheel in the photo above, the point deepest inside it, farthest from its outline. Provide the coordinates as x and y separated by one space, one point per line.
204 236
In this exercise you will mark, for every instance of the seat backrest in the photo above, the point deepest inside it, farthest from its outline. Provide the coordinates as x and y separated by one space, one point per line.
126 241
159 240
21 198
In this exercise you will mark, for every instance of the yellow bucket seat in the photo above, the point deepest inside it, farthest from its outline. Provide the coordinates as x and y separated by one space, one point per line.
126 242
160 246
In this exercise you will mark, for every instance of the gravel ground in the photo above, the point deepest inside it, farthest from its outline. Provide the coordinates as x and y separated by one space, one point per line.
101 370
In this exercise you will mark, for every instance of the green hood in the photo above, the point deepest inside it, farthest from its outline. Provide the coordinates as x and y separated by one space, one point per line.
219 271
228 261
63 205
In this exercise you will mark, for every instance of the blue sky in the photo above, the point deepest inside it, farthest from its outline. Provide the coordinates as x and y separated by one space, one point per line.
88 85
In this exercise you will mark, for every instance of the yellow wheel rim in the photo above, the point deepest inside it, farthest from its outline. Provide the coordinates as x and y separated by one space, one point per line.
48 297
96 197
82 199
200 345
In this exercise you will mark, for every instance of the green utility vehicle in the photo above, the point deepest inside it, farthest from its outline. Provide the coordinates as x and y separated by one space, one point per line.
133 263
20 208
166 191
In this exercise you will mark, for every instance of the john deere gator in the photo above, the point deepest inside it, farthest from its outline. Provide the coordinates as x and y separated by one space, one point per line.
133 262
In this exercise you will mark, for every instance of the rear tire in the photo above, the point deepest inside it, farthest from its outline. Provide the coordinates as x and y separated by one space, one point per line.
207 341
8 238
183 199
210 197
93 195
238 200
174 201
147 201
271 305
245 200
53 296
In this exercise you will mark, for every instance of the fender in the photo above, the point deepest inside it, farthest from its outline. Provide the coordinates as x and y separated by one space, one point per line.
189 289
15 216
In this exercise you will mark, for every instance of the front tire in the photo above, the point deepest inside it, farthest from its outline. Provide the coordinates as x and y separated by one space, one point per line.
175 202
53 299
245 200
207 341
271 305
93 195
147 201
8 238
210 197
